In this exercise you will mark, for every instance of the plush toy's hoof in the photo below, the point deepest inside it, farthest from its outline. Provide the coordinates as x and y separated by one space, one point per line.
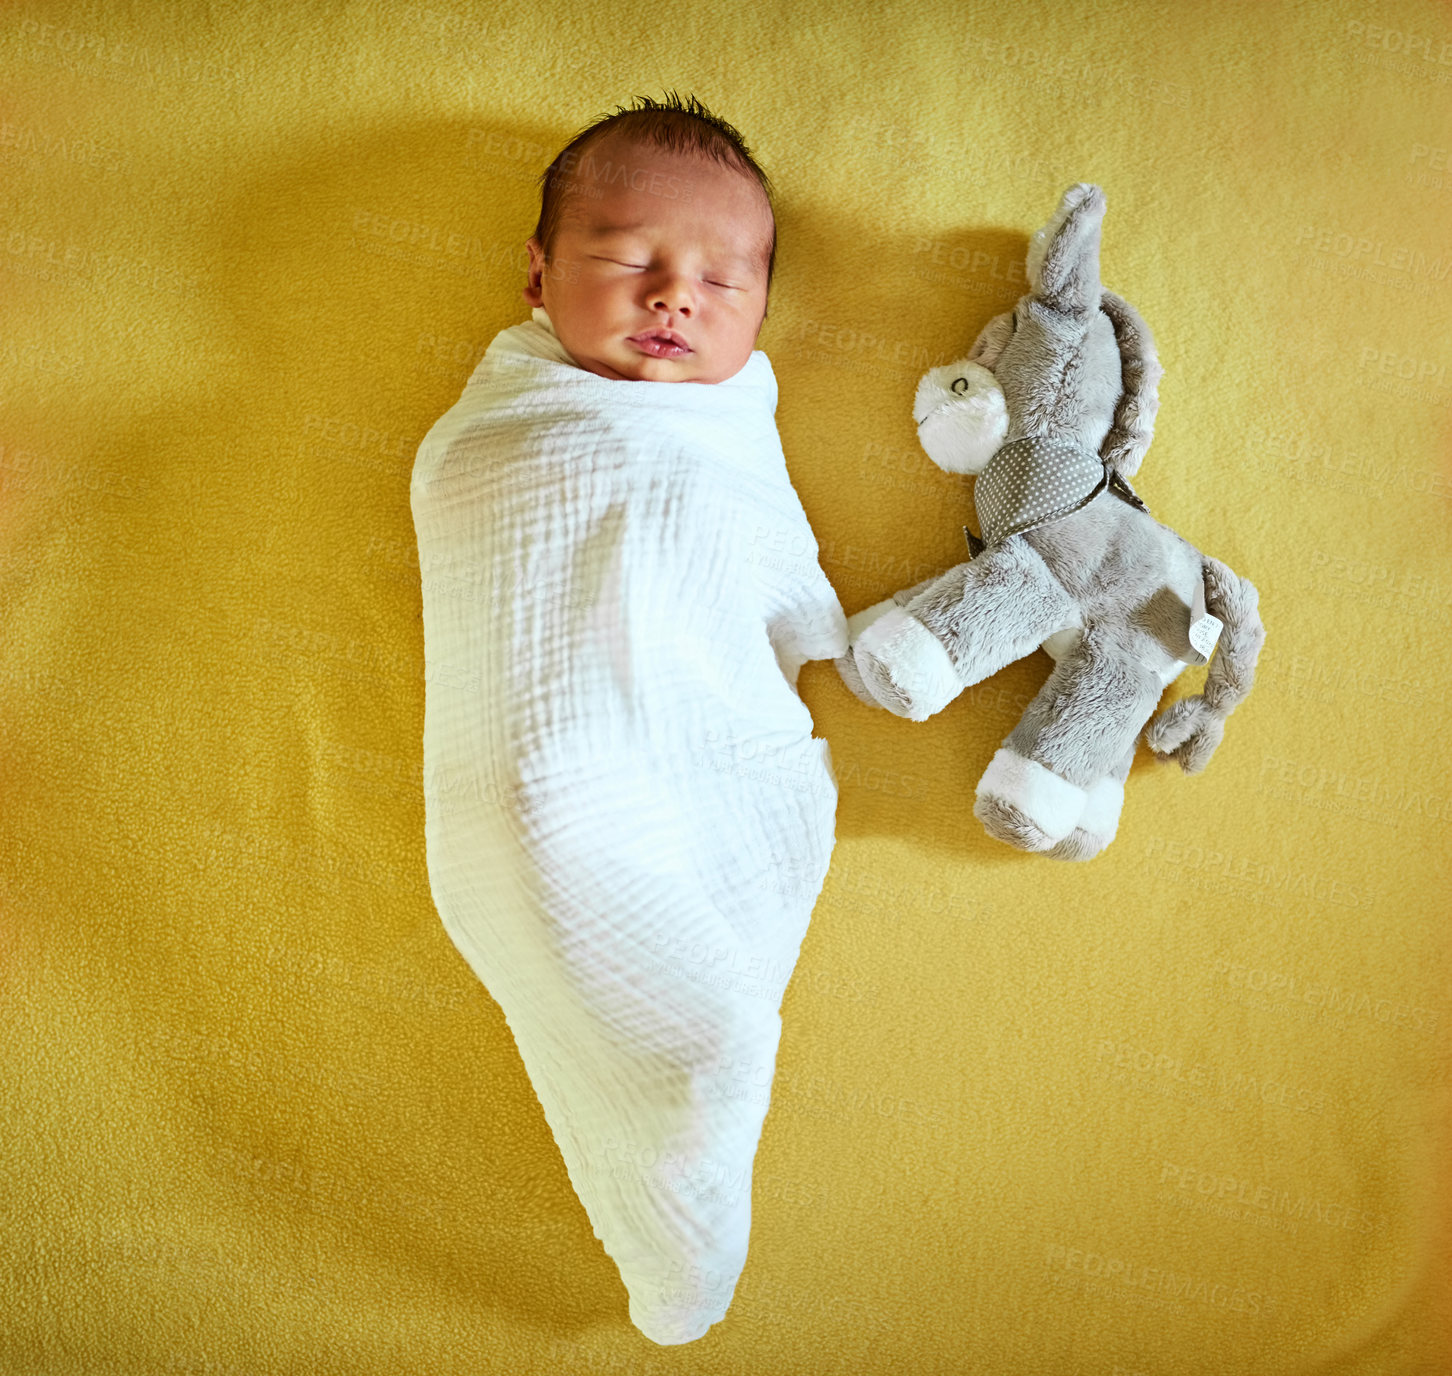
1078 845
847 664
1021 802
847 668
1098 823
1006 823
905 667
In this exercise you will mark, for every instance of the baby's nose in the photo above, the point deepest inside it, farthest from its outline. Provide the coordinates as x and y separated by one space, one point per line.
673 295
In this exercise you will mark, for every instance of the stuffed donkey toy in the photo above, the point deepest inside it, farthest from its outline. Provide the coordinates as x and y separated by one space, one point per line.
1053 410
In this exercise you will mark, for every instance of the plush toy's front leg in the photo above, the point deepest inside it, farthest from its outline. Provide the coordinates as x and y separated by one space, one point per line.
1058 769
967 625
859 622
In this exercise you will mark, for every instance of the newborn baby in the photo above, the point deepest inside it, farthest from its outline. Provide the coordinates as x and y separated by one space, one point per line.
628 819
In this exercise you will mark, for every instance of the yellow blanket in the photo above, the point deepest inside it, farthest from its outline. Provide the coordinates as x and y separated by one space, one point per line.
1182 1109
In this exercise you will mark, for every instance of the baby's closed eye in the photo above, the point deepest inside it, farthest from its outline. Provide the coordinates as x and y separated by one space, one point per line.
710 281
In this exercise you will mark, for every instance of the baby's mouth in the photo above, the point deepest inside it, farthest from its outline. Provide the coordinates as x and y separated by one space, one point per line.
660 343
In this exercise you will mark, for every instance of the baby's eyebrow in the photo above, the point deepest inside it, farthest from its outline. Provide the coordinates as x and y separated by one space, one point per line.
600 231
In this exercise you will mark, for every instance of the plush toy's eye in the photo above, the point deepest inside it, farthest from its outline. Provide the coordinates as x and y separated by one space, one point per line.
1015 320
960 384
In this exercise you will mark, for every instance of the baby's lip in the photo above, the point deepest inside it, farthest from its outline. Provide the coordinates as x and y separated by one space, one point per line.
669 335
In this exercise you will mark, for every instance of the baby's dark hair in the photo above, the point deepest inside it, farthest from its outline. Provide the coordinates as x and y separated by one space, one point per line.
669 124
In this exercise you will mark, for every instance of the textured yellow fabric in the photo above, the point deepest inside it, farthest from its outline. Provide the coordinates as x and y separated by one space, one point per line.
1182 1109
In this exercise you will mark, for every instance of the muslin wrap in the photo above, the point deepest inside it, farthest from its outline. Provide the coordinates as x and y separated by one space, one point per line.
628 819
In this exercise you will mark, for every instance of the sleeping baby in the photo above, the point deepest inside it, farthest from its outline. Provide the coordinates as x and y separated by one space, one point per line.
653 264
627 817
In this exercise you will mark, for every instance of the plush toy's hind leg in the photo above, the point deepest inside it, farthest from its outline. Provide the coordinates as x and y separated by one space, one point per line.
1100 819
1077 732
1025 805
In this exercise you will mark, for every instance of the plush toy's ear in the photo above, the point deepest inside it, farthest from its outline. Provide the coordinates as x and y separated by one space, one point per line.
991 341
1062 264
961 416
1134 417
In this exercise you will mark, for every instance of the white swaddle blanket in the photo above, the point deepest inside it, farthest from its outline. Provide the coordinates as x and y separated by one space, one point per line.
628 819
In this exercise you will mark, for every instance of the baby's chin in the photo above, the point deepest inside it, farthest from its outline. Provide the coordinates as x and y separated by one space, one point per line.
643 368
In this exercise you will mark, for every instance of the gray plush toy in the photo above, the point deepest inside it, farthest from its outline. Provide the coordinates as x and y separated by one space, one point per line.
1053 409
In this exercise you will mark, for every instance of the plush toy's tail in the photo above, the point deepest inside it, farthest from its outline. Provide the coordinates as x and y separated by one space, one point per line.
1190 729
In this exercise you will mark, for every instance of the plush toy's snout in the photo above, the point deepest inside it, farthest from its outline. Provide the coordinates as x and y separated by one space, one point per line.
961 416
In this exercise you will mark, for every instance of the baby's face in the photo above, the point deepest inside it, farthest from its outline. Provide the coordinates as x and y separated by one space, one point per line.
672 242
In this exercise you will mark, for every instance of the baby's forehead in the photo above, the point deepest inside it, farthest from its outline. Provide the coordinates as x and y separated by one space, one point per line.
616 163
582 211
618 156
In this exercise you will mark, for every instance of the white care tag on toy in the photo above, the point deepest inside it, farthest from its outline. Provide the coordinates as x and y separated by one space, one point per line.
1204 628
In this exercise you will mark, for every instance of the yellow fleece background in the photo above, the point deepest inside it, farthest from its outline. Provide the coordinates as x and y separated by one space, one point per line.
1183 1109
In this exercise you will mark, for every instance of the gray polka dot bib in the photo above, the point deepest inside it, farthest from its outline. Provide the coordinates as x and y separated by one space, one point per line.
1033 481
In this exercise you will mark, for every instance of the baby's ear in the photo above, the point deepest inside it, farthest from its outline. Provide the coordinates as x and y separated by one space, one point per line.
532 294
